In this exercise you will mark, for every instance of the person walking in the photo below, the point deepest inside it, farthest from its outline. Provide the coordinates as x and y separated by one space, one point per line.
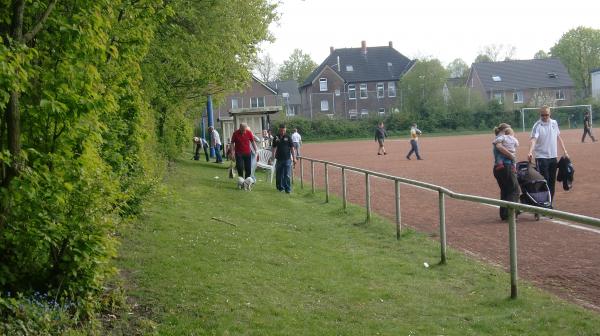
284 152
296 141
414 142
587 127
504 170
380 135
242 141
215 142
544 138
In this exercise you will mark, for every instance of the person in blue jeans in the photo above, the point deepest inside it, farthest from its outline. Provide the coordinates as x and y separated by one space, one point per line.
283 150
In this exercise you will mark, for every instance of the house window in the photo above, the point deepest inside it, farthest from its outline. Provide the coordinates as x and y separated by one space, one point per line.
518 97
382 111
322 84
380 93
363 91
496 78
349 68
499 97
257 102
364 113
352 114
235 103
324 105
560 94
351 91
391 89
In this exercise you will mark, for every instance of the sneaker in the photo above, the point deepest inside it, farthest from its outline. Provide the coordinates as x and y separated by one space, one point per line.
378 153
384 153
408 158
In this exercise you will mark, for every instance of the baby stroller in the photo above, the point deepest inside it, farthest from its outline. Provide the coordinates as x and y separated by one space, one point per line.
534 189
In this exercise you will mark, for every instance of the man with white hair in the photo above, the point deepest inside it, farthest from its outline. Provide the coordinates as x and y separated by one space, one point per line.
241 142
215 142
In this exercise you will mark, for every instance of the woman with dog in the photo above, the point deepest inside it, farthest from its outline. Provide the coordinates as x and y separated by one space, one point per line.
505 171
242 141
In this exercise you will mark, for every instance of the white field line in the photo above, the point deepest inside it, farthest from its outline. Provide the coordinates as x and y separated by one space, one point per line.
556 221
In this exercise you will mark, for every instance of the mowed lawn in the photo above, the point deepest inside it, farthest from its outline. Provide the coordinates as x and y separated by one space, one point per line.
209 259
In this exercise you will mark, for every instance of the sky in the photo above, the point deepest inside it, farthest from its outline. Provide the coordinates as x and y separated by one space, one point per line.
442 29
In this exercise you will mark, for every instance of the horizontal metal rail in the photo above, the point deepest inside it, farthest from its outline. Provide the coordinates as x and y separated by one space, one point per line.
512 207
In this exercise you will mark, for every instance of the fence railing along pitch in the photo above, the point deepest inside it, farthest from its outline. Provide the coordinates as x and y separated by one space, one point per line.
442 193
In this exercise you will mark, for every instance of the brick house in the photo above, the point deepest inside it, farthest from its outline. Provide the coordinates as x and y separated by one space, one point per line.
354 82
523 83
257 94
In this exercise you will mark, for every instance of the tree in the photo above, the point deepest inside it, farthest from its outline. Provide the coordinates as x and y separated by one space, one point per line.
297 67
496 52
482 58
579 50
422 88
541 55
265 68
458 68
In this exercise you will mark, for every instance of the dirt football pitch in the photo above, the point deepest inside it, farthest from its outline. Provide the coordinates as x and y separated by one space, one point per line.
556 255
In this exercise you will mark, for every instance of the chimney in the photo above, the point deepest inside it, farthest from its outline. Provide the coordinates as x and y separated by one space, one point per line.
391 44
331 49
363 45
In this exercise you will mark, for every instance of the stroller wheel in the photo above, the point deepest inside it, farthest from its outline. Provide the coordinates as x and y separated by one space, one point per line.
537 217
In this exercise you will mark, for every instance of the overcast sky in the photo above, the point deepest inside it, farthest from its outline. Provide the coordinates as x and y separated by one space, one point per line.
442 29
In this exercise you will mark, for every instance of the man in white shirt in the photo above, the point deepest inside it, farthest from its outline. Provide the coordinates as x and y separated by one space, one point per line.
296 141
215 142
544 138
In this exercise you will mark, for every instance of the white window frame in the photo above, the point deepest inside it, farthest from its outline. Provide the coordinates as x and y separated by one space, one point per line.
254 101
518 97
364 113
352 114
363 88
351 91
391 89
324 105
382 111
237 103
322 84
559 94
499 97
380 90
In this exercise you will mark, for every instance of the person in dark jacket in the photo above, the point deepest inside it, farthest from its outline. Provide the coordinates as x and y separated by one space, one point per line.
587 127
380 137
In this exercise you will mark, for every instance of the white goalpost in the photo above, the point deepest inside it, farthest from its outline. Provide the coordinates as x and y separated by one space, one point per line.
577 108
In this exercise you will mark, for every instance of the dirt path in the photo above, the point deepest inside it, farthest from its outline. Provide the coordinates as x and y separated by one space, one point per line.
560 258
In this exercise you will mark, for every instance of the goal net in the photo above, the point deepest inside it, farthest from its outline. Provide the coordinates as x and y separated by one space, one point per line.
566 116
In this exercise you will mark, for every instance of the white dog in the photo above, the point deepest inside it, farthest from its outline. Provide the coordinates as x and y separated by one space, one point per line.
240 182
249 183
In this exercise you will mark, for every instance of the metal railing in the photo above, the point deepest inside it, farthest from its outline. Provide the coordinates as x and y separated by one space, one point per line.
442 193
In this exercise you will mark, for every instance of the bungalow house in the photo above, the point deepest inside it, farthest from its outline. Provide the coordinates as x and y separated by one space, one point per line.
521 83
354 82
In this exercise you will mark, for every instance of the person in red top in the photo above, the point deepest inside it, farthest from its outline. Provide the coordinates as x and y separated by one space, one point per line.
241 140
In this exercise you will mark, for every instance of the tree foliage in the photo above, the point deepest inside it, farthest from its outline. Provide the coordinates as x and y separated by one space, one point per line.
297 67
458 68
541 54
579 50
93 94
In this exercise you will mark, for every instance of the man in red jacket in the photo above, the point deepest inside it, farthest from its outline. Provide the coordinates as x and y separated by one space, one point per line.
241 140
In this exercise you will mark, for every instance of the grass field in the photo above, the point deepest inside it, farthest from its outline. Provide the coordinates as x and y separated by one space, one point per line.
208 259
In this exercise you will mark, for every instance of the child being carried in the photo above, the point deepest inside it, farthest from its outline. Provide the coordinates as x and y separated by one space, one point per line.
509 142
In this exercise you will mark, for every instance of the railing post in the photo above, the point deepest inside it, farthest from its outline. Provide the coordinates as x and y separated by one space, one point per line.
344 201
301 173
398 216
442 227
326 183
512 236
312 176
368 193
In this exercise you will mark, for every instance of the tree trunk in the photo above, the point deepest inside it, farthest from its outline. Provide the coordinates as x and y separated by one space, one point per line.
13 131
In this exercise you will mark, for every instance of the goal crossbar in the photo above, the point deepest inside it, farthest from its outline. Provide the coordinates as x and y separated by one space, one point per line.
589 108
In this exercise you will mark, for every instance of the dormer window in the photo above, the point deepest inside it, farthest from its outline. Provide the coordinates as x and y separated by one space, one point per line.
552 75
349 68
496 78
